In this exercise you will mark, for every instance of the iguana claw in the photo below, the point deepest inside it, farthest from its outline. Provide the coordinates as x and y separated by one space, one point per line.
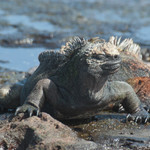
129 117
27 108
141 116
138 119
147 109
145 120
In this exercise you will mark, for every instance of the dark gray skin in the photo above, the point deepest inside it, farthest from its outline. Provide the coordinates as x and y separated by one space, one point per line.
77 87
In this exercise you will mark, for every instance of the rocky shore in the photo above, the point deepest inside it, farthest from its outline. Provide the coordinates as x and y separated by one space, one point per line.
27 28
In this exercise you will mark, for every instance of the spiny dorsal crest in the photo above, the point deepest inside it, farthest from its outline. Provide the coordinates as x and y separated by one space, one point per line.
126 45
51 56
72 46
98 46
96 40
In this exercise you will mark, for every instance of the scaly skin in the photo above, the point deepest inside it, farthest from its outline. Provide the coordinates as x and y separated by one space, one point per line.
74 83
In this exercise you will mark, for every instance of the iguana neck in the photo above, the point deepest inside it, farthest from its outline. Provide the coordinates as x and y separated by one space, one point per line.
91 85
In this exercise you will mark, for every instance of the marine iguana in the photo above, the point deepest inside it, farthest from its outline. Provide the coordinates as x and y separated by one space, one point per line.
75 81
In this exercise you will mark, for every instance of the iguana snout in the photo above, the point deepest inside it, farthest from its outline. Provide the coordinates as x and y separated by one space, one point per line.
112 58
112 65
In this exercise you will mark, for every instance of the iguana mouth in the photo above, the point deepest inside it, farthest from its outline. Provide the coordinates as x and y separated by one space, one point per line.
111 67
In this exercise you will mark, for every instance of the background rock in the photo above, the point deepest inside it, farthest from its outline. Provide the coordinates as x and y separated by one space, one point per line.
141 86
40 133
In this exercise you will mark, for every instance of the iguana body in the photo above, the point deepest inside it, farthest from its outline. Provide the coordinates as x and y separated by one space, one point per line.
75 82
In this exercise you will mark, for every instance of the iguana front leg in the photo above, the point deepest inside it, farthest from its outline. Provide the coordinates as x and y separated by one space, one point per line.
45 89
117 91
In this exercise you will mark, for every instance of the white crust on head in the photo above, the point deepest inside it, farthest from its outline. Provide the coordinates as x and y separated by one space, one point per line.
127 45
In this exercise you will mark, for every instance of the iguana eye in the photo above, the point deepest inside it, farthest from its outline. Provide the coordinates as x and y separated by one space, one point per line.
98 56
112 57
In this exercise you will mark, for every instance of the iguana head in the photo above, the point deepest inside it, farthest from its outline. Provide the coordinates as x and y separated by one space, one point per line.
104 58
94 57
98 57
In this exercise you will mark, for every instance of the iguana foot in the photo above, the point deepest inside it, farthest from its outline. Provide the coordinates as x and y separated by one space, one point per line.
141 116
27 108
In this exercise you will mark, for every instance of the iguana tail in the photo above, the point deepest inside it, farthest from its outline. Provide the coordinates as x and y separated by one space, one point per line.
10 96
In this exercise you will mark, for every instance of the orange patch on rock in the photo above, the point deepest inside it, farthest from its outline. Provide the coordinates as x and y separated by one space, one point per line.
141 86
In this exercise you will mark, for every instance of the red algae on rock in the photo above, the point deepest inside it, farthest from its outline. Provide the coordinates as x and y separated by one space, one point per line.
141 86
